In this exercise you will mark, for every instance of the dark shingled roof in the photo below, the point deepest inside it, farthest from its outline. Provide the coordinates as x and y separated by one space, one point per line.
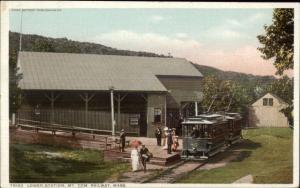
70 71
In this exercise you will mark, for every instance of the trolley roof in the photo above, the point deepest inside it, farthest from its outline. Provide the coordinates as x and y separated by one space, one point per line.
197 122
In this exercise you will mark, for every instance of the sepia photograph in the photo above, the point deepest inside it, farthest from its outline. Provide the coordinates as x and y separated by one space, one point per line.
149 94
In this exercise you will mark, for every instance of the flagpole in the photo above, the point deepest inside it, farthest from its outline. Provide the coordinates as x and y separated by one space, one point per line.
20 46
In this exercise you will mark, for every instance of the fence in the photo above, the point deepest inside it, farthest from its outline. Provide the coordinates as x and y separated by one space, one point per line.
98 120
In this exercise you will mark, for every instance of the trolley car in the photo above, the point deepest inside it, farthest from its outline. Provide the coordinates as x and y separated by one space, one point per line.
234 127
212 134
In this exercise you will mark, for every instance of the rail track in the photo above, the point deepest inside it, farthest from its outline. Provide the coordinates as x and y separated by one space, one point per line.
176 172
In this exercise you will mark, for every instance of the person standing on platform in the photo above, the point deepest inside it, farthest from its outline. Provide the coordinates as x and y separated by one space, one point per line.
144 153
169 141
122 140
164 135
158 134
135 159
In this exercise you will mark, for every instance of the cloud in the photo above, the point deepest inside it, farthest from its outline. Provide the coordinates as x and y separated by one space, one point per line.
256 17
233 22
150 42
244 59
224 33
181 35
156 18
227 33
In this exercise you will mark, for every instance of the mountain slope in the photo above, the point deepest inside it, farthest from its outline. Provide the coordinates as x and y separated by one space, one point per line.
236 76
40 43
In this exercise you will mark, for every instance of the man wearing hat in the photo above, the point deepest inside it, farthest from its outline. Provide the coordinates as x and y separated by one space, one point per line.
158 134
145 156
122 139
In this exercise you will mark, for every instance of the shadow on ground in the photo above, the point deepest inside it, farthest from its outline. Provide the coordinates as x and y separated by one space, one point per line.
237 152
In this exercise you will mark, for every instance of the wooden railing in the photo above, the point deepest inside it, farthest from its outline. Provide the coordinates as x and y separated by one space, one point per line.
99 121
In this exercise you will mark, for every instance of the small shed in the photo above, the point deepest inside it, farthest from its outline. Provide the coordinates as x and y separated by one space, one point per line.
265 112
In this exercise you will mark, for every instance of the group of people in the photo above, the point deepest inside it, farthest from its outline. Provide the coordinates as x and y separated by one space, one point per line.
139 157
140 154
200 134
170 139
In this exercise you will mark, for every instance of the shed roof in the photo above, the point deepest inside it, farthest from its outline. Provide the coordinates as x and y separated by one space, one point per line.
70 71
280 100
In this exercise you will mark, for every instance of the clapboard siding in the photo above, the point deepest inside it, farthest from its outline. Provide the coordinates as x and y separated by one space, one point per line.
267 116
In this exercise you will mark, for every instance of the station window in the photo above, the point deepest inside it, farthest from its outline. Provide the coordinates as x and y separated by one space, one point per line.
265 102
157 115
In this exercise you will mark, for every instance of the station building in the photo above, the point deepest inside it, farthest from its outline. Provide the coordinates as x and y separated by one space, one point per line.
107 92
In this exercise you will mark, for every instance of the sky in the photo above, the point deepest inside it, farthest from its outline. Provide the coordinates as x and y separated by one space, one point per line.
221 38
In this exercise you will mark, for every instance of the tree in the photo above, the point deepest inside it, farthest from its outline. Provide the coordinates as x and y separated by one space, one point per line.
41 45
278 41
14 77
210 88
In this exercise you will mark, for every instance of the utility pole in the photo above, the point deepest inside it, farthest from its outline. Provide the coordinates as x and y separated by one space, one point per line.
20 45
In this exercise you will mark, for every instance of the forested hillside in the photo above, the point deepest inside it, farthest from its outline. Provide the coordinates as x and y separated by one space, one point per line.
41 43
245 85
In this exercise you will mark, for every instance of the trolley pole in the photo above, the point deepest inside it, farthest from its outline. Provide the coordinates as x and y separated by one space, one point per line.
196 108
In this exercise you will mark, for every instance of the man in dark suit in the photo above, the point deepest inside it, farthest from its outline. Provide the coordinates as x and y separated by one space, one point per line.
158 134
122 140
144 153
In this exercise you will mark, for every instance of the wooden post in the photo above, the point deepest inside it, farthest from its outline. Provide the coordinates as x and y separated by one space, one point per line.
52 98
86 98
119 110
112 111
166 111
52 107
119 99
145 97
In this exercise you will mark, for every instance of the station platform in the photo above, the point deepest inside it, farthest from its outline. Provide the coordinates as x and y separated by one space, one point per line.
160 155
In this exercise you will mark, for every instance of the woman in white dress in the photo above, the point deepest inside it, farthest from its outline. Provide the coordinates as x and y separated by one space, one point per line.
165 138
135 159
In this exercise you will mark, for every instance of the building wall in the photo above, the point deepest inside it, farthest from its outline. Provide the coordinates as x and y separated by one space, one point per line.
180 83
155 101
267 116
69 109
183 83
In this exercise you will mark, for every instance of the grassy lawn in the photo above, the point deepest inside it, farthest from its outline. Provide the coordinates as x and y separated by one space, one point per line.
40 163
265 153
